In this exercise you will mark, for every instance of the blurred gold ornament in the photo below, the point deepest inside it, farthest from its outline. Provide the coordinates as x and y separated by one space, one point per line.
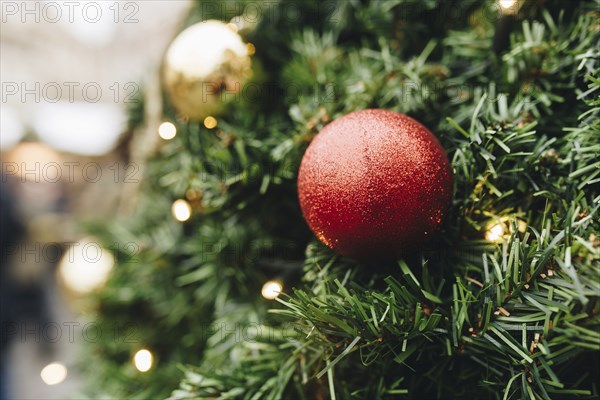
206 68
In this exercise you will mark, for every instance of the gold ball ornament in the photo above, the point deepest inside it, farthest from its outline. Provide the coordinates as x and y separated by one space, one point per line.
206 68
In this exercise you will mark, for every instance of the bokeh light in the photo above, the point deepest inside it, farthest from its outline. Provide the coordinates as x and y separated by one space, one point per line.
181 210
142 360
167 130
53 374
210 122
85 266
271 289
507 3
495 232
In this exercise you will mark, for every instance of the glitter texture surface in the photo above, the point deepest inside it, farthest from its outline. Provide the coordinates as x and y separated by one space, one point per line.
374 184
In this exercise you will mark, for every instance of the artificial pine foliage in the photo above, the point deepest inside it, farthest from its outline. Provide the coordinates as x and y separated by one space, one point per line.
513 100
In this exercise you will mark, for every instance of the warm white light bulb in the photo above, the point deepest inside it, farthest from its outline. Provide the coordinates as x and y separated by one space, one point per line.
85 266
210 122
495 233
181 210
53 374
507 4
143 360
271 289
167 130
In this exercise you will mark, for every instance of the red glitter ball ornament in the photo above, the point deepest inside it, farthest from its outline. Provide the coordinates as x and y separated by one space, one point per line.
374 184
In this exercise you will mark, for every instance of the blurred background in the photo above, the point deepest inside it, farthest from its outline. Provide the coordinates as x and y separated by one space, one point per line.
69 72
82 109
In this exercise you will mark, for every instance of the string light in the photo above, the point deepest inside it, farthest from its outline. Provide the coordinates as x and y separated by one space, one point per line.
210 122
271 289
142 360
85 266
181 210
508 6
167 130
53 374
495 232
251 48
507 3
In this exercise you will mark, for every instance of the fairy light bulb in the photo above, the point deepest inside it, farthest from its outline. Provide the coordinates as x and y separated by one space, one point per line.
181 210
86 266
210 122
271 289
53 374
495 232
143 360
507 3
508 6
167 130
